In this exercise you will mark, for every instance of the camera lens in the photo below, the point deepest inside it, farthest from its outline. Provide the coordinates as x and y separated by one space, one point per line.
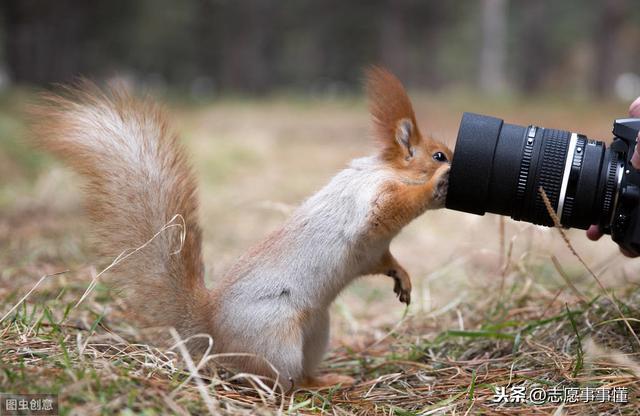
499 168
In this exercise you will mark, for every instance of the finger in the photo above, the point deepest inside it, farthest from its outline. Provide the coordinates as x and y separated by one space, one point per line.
627 253
594 233
635 158
634 108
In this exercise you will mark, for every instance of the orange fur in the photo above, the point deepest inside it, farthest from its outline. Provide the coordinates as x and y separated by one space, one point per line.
326 381
402 281
403 200
388 104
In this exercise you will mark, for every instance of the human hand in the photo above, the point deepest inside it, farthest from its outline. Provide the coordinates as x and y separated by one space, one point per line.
594 233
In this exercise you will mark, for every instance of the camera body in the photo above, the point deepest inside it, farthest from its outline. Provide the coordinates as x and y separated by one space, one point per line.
500 168
624 226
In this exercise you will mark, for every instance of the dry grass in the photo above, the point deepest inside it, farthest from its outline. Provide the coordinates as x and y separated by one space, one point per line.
497 303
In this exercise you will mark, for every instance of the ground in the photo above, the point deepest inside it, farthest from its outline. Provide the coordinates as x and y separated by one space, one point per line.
497 305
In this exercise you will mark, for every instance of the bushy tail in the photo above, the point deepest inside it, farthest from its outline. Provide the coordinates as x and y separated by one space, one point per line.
138 179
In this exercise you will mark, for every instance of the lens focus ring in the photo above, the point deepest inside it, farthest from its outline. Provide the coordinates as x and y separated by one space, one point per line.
550 173
609 186
525 165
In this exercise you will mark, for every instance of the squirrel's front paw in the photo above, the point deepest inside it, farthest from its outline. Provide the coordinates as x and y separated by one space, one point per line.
402 284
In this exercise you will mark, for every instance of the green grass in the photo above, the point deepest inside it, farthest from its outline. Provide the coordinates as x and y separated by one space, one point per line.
127 375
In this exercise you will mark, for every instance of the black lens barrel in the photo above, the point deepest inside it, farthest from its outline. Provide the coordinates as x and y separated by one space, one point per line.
487 166
470 175
499 168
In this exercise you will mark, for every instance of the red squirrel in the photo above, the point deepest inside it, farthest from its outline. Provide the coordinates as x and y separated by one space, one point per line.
272 305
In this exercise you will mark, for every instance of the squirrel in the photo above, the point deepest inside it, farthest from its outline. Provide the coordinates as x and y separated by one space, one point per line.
271 306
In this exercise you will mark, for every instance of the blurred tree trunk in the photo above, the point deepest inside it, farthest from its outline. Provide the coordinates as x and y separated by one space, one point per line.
610 22
393 40
534 51
207 38
493 50
41 41
248 52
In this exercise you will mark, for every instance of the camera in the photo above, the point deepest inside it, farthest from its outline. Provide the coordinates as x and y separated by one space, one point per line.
500 168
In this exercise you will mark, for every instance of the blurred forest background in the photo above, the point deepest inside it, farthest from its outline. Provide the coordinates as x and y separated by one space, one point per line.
205 47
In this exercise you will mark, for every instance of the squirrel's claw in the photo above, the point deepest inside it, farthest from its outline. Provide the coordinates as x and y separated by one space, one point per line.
401 285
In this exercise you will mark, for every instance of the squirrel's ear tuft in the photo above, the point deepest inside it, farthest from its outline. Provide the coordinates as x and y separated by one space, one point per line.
394 122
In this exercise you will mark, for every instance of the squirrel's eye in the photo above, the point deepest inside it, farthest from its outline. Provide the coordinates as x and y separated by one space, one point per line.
440 157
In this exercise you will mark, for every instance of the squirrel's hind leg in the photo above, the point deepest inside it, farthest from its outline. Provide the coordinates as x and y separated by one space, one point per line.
326 381
316 340
275 341
284 352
